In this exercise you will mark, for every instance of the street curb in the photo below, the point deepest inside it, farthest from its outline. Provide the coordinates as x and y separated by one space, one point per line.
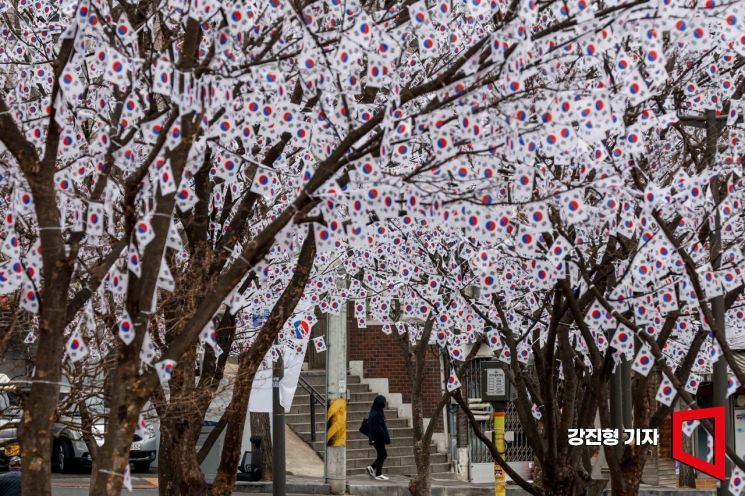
675 492
402 490
291 487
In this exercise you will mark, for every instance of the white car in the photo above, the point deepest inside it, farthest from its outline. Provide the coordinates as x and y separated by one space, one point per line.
69 450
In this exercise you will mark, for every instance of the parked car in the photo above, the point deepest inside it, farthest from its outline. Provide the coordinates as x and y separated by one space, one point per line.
69 450
10 416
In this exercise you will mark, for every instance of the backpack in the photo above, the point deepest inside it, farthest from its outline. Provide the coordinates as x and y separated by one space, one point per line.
364 429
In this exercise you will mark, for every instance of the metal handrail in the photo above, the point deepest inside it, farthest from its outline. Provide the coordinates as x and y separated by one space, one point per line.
314 396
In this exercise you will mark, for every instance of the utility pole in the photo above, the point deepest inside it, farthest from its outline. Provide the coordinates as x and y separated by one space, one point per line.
336 401
616 403
720 367
719 378
279 481
626 399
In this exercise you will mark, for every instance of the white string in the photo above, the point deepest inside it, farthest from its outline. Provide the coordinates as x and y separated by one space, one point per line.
38 381
131 477
239 256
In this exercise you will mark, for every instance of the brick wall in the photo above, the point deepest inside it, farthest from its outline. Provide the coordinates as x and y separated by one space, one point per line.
383 357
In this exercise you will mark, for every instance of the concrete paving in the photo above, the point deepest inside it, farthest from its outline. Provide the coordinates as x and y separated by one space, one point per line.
71 491
301 459
147 484
399 486
672 491
295 484
365 486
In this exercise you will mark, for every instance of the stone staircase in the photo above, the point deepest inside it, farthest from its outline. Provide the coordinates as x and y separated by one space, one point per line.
666 472
360 454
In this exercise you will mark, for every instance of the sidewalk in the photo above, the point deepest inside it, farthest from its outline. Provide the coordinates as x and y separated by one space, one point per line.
701 490
364 486
398 486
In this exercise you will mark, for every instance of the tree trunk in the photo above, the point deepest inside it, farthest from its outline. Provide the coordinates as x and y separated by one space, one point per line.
687 476
126 403
39 412
184 456
166 473
40 405
249 364
236 412
184 475
181 424
632 467
107 475
421 485
260 427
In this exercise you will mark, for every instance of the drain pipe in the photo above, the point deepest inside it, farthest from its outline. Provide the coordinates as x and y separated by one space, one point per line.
452 420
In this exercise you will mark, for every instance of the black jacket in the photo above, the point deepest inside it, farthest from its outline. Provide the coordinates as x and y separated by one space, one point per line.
377 430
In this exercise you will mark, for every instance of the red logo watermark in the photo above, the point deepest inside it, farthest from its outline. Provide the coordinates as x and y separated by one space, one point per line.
715 469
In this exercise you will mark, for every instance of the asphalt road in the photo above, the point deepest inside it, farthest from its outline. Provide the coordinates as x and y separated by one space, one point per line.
77 485
69 491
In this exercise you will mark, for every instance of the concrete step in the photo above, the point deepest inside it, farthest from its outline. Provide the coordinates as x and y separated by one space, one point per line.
392 431
321 388
302 424
354 410
303 398
394 461
363 407
445 476
666 475
407 470
363 397
353 389
320 379
369 451
352 436
363 443
360 454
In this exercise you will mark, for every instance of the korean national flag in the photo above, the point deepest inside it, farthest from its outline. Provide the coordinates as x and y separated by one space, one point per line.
165 369
732 385
76 347
126 328
666 392
453 381
117 69
736 482
162 79
320 344
95 219
643 362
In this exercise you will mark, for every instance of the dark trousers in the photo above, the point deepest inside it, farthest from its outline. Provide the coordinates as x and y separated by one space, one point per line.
382 455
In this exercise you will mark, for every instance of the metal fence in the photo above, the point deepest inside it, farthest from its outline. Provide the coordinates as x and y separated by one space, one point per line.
517 451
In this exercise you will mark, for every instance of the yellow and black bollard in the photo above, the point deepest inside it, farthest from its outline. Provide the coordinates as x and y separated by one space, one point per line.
336 423
500 478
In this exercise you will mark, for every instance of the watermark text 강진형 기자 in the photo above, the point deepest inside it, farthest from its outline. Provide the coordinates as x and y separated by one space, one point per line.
612 437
